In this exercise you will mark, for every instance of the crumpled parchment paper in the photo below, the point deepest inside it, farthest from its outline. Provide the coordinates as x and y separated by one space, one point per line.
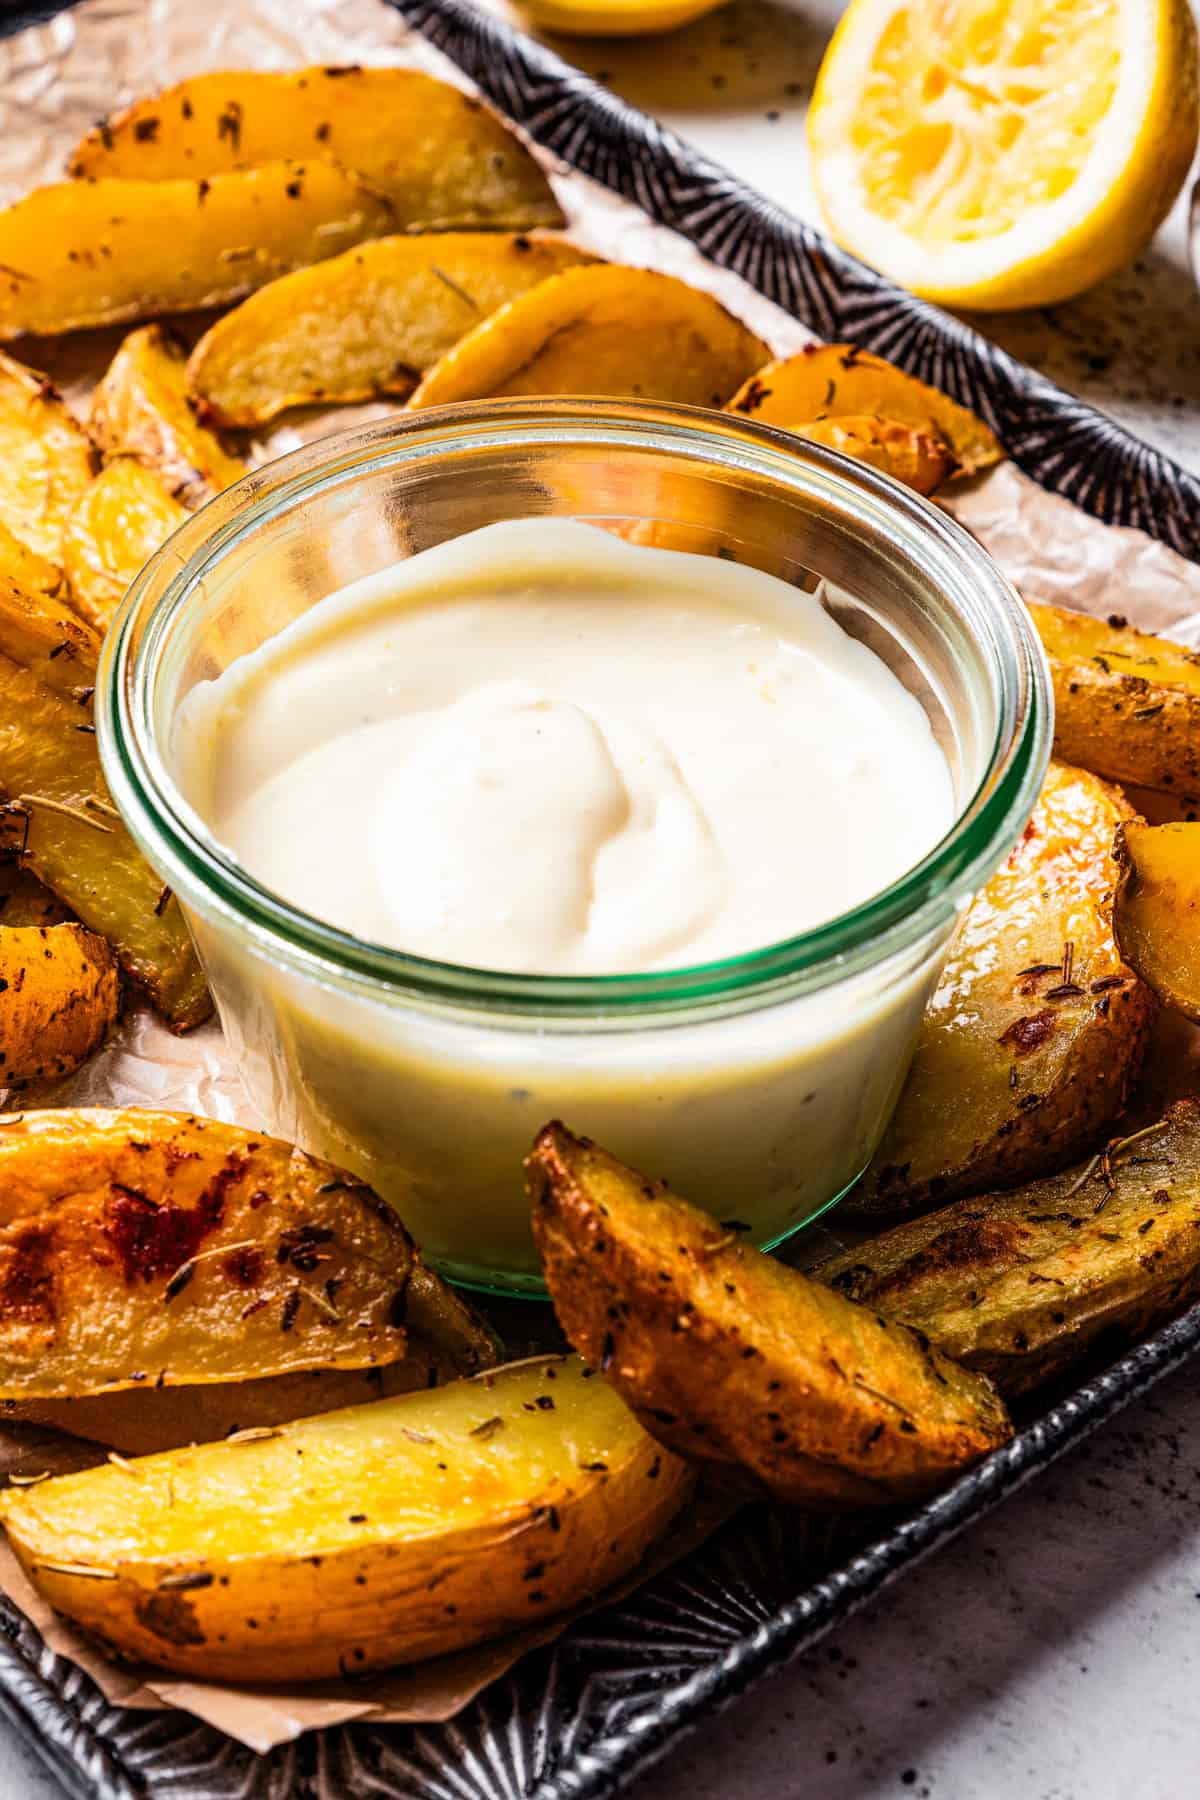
56 79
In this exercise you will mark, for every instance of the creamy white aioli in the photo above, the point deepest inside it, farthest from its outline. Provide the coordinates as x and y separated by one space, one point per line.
539 748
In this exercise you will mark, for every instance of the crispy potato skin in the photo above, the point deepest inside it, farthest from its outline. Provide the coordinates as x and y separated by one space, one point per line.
59 993
1157 911
423 1524
1021 1285
85 855
114 528
46 460
916 458
141 1421
736 1361
362 324
571 334
32 573
1125 704
240 229
46 637
144 1246
141 409
448 164
1022 1063
831 381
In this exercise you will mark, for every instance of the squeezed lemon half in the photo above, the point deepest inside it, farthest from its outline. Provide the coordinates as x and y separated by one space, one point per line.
1003 153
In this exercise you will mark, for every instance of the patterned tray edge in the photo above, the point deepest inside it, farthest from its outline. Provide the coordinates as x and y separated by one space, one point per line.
1064 444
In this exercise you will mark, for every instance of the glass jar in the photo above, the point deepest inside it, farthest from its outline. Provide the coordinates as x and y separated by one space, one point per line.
759 1085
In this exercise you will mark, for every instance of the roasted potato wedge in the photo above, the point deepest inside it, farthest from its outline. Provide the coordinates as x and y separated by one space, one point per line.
921 461
1037 1029
1157 912
444 161
64 829
18 563
116 525
603 329
378 1535
733 1359
141 408
25 901
45 636
46 460
98 252
832 381
141 1420
59 993
1021 1285
1125 704
362 324
140 1247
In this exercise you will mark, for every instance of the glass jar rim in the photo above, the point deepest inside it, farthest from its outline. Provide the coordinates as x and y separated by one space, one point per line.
204 873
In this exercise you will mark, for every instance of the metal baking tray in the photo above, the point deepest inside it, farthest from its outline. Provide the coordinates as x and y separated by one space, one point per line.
581 1718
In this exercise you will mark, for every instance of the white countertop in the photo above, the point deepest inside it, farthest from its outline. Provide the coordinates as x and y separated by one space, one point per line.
1053 1652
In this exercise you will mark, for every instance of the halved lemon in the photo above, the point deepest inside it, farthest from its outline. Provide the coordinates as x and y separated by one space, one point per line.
615 18
1003 153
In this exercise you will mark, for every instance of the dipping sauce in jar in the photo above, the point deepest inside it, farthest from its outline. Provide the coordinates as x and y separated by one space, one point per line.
542 750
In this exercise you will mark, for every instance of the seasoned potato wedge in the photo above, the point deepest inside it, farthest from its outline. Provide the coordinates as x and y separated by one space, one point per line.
830 381
1020 1285
98 252
1157 912
61 823
733 1359
45 636
377 1535
115 526
1125 704
916 458
25 901
143 1420
160 1247
1037 1028
444 161
18 563
59 992
603 329
141 409
46 460
362 324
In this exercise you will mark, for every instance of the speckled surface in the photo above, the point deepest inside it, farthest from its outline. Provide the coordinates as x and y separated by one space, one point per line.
1054 1652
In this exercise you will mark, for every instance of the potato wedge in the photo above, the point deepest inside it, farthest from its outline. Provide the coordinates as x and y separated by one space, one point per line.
18 563
733 1359
829 381
46 460
25 901
1125 704
114 528
59 993
422 1524
603 329
1157 911
86 253
141 1420
1037 1029
444 161
141 408
62 825
921 461
160 1247
45 636
362 324
1022 1285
